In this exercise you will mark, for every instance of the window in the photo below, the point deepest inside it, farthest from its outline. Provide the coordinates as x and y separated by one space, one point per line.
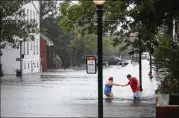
31 65
31 44
37 64
37 46
34 15
34 65
34 47
27 47
28 65
37 17
30 14
24 65
27 14
22 47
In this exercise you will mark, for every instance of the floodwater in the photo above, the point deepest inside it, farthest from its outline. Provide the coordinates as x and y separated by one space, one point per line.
73 93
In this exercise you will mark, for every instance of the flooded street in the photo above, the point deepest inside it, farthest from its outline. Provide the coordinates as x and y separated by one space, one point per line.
74 94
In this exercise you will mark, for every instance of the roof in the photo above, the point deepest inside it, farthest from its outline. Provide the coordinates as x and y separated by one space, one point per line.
49 42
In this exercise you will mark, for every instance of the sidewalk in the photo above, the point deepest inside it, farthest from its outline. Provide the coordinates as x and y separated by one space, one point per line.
66 69
71 69
25 78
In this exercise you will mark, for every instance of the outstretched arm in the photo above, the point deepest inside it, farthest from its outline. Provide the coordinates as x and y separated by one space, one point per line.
116 84
125 84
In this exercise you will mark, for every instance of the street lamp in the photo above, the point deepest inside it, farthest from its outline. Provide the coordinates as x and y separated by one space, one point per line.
99 4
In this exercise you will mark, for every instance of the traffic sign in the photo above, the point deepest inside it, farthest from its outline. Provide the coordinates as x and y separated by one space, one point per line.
91 64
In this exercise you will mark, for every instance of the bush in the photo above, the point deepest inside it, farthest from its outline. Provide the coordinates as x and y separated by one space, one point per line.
168 85
167 59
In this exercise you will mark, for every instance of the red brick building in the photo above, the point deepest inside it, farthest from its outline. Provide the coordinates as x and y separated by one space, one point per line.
45 52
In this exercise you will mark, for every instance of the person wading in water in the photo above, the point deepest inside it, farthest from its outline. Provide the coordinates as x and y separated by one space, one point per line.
133 82
108 88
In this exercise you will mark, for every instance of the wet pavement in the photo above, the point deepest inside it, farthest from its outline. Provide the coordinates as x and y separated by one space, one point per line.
73 93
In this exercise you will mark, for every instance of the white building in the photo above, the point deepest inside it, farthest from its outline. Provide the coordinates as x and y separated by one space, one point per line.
30 49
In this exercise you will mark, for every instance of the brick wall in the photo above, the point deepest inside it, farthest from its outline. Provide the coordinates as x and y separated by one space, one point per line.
43 54
170 111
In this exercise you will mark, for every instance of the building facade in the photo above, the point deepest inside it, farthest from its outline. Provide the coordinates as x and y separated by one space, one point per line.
30 49
46 52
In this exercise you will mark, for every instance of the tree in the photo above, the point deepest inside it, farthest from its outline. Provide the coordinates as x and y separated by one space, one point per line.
47 9
154 13
83 31
85 10
149 14
13 26
50 28
167 60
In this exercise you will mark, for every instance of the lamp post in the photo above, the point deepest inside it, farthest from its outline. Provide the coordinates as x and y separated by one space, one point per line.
99 5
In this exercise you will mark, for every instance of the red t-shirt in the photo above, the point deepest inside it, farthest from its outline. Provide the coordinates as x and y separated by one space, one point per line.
133 82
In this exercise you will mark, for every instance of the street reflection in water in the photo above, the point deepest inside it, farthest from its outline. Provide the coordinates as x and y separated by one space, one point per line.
74 94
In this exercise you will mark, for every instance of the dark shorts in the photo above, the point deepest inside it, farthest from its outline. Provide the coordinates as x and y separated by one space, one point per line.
107 93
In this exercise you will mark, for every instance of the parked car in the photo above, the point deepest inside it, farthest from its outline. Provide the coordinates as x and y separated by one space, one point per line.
113 60
105 64
123 63
148 58
145 55
134 58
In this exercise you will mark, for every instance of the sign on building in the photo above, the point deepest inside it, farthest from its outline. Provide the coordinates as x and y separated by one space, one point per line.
91 64
18 59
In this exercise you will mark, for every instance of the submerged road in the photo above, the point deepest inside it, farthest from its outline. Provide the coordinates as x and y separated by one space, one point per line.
74 94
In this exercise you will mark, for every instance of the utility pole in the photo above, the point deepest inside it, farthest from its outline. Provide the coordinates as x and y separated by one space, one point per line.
140 64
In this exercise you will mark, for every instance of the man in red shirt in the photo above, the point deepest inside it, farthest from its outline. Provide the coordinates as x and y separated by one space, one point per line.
133 82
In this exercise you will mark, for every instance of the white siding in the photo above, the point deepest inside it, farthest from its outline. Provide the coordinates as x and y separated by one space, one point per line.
31 59
9 63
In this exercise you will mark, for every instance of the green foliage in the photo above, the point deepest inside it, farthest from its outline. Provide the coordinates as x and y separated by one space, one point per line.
87 45
85 10
48 9
154 13
57 61
50 28
168 85
150 15
79 47
85 39
12 32
167 59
